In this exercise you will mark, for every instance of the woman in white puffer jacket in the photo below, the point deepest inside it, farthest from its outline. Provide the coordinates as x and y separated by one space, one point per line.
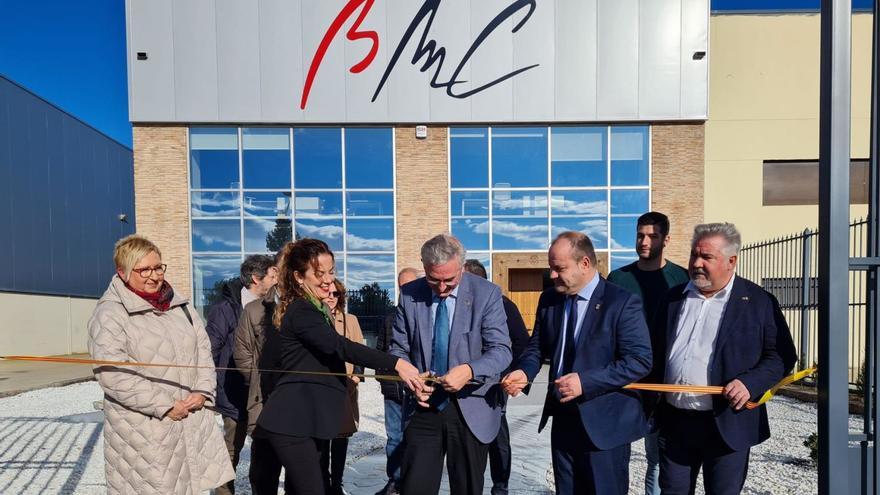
158 436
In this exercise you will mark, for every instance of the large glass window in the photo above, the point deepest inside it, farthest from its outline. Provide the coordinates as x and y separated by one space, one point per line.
514 188
250 192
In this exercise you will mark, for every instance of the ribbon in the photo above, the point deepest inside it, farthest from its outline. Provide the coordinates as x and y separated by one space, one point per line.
652 387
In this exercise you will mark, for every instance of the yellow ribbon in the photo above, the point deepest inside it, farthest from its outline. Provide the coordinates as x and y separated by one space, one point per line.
653 387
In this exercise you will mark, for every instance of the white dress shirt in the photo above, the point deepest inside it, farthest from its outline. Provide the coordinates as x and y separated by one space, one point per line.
691 352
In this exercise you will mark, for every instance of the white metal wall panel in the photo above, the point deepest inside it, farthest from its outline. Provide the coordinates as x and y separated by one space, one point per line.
533 89
195 61
359 88
327 99
493 58
575 72
151 81
457 32
695 38
238 65
659 58
618 60
231 61
281 67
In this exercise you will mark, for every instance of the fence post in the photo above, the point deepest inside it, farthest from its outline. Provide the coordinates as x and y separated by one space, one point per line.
806 289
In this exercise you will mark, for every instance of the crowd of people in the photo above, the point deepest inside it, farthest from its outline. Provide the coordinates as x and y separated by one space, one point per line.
280 360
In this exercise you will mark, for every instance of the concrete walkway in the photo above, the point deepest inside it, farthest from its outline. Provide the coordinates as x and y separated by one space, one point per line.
23 376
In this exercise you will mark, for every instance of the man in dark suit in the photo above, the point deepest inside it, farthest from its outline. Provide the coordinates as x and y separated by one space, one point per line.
718 329
499 449
451 323
596 338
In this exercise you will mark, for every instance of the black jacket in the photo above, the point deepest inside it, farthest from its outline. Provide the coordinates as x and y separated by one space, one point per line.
312 405
222 319
519 334
391 390
753 345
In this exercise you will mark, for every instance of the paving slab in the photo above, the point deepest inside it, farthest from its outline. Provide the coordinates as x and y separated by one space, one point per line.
17 377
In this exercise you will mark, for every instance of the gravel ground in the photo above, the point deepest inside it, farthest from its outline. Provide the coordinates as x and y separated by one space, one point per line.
51 443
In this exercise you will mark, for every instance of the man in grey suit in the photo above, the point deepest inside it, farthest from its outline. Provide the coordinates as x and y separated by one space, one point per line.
452 325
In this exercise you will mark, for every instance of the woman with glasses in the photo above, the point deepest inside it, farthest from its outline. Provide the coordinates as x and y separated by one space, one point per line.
158 436
306 407
333 461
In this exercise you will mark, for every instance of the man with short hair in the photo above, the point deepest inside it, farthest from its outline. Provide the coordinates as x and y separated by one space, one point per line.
718 329
257 276
452 325
596 339
394 394
499 449
650 277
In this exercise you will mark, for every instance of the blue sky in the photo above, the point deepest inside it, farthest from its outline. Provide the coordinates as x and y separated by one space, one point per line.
72 53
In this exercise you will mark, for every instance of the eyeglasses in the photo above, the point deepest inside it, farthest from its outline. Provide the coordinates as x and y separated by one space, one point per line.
147 272
334 294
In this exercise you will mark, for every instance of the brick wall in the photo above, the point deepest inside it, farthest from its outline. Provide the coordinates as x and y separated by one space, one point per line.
161 197
677 154
422 191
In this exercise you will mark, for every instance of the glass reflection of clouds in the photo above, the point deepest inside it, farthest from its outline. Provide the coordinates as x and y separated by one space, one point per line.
216 235
266 204
257 230
370 204
623 231
474 234
215 204
370 235
366 269
311 204
525 233
210 269
329 231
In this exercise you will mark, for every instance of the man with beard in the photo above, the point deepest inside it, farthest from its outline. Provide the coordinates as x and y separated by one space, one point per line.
596 339
718 329
650 277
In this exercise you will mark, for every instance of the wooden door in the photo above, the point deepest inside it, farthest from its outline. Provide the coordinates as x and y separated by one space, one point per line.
524 289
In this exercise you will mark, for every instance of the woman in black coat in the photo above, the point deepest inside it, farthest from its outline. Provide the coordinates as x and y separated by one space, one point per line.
305 410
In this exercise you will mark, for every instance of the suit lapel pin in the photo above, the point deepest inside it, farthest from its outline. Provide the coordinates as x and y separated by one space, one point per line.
745 298
598 305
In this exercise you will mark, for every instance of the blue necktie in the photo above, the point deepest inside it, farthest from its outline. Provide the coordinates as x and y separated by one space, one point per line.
570 327
440 355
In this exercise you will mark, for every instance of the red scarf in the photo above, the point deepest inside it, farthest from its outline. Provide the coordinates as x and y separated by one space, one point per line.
161 299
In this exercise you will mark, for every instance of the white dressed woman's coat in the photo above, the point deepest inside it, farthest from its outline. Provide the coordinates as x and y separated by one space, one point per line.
144 453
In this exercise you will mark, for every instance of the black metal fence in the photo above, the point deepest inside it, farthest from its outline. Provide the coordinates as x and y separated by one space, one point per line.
787 267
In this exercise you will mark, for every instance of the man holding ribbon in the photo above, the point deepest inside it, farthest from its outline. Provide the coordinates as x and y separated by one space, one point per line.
451 324
596 338
718 329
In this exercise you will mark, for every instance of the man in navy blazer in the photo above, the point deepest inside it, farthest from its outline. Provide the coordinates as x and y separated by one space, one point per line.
596 338
718 329
451 324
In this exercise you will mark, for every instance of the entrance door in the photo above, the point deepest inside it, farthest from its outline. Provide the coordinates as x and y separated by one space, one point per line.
524 289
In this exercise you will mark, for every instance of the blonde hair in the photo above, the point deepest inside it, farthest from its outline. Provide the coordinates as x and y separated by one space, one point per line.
130 249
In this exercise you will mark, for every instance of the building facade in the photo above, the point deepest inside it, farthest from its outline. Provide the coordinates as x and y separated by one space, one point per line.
376 125
67 193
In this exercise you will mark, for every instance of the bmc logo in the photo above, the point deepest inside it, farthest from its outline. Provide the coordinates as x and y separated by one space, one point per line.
428 51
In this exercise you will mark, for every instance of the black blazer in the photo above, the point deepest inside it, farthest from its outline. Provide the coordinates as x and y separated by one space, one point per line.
613 350
753 345
312 405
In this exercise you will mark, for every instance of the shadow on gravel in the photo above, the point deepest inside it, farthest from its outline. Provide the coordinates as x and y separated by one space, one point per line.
39 452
